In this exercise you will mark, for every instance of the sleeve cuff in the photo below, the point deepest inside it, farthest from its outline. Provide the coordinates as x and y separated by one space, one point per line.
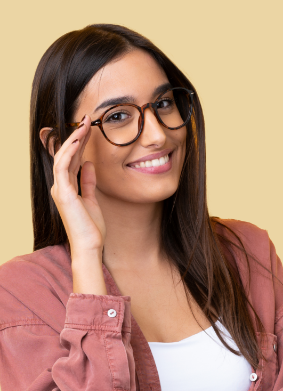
98 312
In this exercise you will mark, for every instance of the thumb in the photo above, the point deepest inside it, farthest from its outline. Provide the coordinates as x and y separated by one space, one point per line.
88 180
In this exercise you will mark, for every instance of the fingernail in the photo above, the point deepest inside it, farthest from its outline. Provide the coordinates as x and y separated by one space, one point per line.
83 118
80 126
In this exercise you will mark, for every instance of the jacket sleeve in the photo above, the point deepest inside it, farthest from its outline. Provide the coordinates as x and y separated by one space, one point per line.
92 352
277 270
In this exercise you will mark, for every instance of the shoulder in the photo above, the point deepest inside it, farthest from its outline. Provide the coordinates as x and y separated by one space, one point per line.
259 266
50 259
255 240
36 286
49 266
248 232
252 249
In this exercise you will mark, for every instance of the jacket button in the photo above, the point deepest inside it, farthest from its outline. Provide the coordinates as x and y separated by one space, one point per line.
253 377
275 347
111 313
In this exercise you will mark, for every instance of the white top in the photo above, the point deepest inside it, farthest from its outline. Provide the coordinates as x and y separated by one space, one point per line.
201 363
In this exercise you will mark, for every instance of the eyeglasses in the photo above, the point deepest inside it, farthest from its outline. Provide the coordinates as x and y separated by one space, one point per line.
122 124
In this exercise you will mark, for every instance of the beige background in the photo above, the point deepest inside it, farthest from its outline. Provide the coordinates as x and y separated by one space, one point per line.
232 53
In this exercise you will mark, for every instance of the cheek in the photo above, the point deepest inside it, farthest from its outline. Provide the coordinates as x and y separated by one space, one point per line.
179 138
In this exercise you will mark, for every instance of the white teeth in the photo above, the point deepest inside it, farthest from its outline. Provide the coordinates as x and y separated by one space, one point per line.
154 162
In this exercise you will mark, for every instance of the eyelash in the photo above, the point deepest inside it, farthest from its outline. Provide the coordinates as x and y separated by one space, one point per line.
123 112
117 112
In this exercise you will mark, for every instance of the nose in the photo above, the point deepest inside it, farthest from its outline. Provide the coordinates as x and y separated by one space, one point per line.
152 131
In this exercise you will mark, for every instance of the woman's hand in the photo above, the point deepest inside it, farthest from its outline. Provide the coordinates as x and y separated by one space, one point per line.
81 215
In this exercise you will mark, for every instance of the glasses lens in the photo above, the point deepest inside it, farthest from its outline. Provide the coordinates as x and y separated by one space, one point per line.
121 124
174 107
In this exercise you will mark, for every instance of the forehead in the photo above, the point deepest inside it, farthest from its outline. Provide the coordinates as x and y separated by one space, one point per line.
136 73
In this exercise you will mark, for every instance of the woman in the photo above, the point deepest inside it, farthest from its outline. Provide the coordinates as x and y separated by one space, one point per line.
132 285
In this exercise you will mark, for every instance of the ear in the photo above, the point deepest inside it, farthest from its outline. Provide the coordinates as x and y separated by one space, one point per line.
43 137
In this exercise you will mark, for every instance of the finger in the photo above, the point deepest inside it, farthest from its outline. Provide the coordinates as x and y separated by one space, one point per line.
79 133
61 168
88 180
87 137
76 161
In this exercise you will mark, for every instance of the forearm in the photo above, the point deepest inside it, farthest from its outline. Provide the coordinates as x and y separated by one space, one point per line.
88 274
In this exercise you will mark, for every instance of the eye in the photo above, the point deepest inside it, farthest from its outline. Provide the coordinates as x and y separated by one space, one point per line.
117 117
165 103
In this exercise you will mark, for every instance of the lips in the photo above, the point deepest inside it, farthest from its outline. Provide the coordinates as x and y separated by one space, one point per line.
152 156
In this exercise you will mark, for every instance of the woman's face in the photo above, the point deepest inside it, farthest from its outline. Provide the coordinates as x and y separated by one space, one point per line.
136 74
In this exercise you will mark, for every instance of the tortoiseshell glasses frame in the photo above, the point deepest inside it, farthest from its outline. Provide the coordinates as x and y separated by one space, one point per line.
98 122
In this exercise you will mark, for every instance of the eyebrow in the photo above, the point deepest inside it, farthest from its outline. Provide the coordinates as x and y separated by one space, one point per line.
130 98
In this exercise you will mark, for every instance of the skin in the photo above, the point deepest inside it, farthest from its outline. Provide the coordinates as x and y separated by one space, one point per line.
131 201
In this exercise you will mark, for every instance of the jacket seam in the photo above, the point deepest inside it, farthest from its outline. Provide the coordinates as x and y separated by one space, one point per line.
26 306
279 316
92 327
109 364
82 296
106 350
22 323
39 322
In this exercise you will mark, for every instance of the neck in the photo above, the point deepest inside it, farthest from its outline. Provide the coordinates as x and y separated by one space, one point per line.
132 234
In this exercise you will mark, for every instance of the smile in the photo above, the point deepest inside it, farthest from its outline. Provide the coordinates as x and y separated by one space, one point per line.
155 166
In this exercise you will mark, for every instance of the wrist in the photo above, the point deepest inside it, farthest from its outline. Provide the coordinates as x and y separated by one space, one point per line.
86 257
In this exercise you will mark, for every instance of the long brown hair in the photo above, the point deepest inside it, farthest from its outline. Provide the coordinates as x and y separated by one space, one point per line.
188 233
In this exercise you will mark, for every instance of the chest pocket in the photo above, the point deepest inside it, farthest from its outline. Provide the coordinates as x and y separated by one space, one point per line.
268 371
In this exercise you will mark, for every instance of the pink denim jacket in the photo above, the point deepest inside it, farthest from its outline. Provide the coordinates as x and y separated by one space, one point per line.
52 339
